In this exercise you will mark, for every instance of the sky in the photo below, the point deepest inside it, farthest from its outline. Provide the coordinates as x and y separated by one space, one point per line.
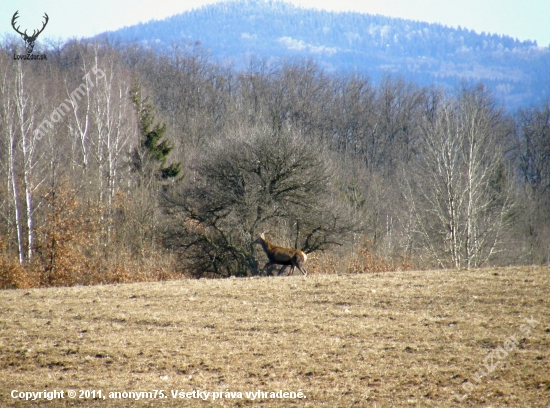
522 19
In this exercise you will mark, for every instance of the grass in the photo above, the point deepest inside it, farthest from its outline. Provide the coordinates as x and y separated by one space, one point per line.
373 340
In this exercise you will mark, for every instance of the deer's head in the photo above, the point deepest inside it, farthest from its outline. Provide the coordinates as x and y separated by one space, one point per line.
261 239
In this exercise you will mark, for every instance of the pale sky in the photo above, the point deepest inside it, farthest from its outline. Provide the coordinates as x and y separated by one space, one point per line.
523 19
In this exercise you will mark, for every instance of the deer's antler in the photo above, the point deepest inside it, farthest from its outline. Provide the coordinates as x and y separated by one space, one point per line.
43 25
15 17
35 32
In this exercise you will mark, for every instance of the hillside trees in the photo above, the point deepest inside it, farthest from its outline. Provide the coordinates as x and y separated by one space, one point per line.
321 160
534 168
188 89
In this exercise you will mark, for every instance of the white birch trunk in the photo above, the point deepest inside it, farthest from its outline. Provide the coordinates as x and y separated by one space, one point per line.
24 107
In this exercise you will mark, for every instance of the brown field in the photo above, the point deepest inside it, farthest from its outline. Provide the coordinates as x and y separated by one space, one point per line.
376 340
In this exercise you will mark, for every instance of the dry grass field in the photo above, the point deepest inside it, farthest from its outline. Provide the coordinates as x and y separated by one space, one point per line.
376 340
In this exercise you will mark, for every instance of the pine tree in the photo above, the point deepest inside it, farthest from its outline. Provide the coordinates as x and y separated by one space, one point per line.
152 154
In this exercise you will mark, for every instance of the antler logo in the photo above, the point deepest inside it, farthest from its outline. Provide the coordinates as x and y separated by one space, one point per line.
29 40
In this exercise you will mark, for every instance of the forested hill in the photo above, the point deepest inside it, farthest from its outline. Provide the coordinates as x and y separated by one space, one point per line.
517 71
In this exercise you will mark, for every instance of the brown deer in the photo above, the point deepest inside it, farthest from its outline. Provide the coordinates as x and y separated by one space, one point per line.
282 256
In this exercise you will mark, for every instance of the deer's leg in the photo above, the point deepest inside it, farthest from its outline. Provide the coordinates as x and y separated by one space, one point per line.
273 270
283 270
300 267
266 266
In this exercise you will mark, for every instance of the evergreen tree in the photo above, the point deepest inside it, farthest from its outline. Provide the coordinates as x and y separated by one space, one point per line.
152 154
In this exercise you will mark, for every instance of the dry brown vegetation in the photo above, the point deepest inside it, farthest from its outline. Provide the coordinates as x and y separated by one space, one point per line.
391 339
72 269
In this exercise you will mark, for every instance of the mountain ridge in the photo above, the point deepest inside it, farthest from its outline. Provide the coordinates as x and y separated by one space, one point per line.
426 53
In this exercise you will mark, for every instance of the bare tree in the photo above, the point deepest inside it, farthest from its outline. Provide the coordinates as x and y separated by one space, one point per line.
25 112
114 128
256 178
9 163
460 193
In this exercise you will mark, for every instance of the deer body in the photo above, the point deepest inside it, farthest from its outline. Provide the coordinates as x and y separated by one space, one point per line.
282 256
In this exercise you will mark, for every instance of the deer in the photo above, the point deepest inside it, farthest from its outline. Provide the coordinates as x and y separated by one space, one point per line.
29 40
282 256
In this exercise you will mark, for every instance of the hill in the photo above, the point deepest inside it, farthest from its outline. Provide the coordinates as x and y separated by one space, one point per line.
238 31
393 339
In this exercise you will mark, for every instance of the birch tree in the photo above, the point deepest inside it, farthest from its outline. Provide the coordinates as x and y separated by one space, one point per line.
25 111
9 163
459 191
114 129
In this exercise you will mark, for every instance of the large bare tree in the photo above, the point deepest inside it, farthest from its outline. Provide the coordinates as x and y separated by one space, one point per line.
459 191
254 179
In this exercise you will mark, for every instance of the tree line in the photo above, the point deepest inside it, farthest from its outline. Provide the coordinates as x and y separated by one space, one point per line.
121 164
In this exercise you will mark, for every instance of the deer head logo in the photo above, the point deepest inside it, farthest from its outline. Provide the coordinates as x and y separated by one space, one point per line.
29 40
